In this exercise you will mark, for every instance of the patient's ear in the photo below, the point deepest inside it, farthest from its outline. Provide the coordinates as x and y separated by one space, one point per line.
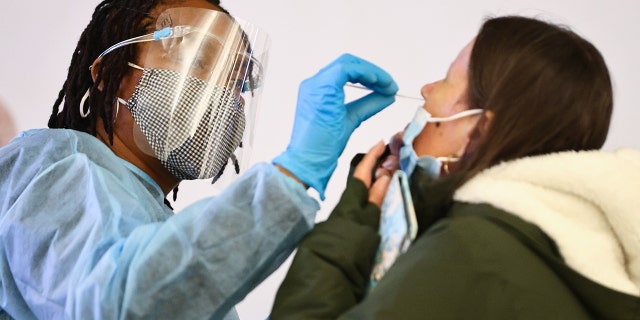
485 122
483 125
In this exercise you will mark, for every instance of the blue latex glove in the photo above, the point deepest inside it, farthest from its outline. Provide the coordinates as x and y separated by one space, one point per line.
324 123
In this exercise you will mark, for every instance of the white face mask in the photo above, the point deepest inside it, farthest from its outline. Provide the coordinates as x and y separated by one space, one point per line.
408 157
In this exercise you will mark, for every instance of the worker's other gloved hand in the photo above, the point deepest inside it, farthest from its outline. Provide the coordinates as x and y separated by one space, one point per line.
324 123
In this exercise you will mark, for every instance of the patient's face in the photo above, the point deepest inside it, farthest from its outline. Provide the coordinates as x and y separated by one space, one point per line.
445 98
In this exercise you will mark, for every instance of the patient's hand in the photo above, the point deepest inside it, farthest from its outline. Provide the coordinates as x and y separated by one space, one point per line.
392 162
377 188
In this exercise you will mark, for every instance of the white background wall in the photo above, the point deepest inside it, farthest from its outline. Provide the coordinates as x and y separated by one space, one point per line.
415 40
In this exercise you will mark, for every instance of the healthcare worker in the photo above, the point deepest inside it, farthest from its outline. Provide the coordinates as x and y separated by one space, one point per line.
159 92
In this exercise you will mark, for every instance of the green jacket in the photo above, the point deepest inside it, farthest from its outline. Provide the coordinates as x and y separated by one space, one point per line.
470 261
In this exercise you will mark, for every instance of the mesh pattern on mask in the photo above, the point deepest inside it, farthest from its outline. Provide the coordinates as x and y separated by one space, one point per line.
192 127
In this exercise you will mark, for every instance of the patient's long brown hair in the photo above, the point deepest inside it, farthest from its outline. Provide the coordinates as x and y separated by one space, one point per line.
548 88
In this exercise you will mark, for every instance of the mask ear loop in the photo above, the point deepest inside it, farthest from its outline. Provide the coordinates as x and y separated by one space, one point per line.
118 102
82 101
135 66
117 110
456 116
446 160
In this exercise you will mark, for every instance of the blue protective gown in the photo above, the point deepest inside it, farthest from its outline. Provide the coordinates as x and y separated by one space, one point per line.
86 235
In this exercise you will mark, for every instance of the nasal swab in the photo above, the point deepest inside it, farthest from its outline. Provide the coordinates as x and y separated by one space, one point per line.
357 86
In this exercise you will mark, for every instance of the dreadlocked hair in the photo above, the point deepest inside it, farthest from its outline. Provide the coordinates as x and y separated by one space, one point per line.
112 21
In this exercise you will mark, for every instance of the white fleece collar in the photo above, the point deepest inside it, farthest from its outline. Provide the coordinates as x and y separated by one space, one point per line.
587 202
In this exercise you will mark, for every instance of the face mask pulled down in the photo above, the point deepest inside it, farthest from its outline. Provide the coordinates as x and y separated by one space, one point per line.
192 127
430 164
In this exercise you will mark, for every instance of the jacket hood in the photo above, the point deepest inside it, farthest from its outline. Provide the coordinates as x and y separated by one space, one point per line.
588 202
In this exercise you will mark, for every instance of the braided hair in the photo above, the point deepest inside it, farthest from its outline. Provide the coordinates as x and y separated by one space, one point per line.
112 21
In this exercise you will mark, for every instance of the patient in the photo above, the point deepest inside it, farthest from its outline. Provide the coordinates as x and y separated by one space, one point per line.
533 221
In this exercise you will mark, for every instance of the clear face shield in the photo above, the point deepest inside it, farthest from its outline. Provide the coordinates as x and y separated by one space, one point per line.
195 104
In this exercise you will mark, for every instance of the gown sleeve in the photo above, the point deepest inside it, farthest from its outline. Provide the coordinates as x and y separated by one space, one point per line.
84 241
205 259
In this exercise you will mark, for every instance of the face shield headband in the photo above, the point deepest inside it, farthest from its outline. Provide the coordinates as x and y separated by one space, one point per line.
202 72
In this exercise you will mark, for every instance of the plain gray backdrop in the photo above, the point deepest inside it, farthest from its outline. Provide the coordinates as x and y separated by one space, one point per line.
414 40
